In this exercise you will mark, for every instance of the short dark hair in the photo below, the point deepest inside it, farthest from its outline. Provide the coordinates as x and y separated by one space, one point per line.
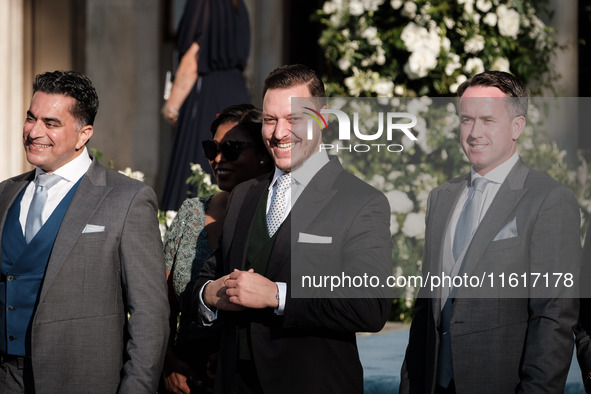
249 117
506 83
292 75
72 84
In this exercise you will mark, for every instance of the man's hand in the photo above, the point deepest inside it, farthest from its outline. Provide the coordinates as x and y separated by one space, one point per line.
176 374
215 296
251 290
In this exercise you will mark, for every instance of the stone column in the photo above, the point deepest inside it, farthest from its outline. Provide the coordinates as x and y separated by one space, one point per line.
123 39
11 80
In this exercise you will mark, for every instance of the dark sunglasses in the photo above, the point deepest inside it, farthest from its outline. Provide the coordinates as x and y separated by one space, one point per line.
231 150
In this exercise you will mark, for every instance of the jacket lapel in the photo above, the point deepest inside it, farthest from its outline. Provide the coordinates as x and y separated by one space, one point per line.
91 191
243 226
508 196
312 200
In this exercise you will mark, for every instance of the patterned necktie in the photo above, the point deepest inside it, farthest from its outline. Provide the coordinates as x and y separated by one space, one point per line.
34 217
278 204
468 219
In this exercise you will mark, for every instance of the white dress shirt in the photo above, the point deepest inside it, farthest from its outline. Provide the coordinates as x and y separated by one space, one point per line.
69 174
495 177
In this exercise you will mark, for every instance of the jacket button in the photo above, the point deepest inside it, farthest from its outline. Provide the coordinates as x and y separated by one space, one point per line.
10 278
11 338
10 308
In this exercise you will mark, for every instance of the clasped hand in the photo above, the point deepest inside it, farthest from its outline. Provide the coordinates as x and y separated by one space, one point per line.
240 290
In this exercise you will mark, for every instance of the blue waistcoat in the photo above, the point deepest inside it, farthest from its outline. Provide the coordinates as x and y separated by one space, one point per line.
23 268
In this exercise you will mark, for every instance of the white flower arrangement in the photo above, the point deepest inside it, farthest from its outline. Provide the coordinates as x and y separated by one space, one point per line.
423 47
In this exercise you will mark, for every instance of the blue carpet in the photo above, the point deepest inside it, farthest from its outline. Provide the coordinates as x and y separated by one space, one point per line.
382 356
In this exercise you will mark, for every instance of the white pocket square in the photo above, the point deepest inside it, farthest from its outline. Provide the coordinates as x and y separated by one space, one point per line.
509 231
314 239
93 228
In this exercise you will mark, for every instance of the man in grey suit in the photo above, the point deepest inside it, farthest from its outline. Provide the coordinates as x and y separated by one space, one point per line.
82 291
512 220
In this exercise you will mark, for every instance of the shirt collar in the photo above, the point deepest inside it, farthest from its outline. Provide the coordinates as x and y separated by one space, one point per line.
304 174
499 173
74 169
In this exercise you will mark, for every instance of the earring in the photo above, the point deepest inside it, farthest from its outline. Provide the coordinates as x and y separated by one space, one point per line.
262 162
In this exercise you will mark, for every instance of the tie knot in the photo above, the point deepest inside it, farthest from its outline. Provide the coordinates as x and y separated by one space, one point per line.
47 180
283 182
479 183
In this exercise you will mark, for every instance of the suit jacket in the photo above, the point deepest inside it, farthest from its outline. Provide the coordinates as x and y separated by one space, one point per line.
501 344
583 330
82 339
312 347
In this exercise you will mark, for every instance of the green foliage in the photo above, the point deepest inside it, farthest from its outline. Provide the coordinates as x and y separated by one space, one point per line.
201 181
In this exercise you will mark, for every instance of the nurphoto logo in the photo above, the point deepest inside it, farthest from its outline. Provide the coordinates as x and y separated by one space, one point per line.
388 123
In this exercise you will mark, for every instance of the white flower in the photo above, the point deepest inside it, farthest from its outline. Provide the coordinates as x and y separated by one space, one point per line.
474 65
138 175
459 80
329 7
413 36
490 19
378 181
170 217
372 5
369 33
533 113
474 44
384 87
381 58
207 179
453 64
416 37
416 106
500 64
420 63
446 44
420 130
399 90
409 10
162 229
344 64
399 202
394 226
414 225
196 168
422 198
393 175
508 21
396 4
468 6
449 23
483 5
356 8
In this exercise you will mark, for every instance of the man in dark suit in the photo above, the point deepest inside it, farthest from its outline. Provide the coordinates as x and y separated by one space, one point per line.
520 222
82 291
274 342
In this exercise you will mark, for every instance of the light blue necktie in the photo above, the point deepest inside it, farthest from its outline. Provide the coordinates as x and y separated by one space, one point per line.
468 219
34 217
465 228
278 204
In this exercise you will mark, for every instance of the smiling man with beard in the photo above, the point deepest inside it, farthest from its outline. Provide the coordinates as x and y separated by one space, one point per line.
309 211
